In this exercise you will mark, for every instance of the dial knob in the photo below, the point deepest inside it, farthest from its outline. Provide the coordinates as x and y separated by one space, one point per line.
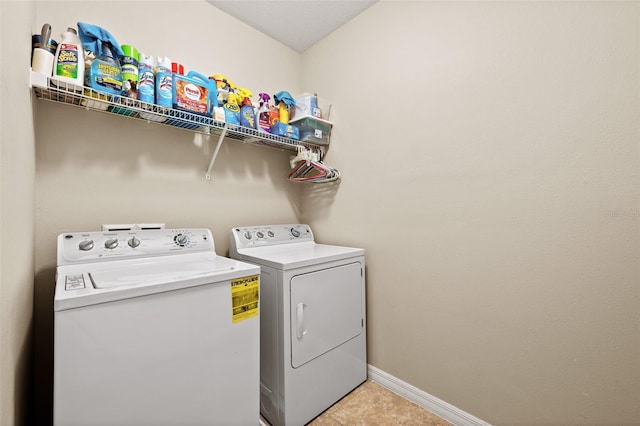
85 245
260 234
182 239
295 232
133 242
111 243
271 234
247 235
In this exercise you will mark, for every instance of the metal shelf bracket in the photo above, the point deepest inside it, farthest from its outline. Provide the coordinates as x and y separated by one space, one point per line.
215 152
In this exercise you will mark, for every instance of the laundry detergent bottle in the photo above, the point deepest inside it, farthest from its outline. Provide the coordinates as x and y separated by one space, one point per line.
68 69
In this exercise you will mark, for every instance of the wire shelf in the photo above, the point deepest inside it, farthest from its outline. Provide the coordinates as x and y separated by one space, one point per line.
90 99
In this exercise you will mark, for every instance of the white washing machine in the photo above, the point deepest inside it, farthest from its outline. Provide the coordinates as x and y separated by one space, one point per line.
153 328
312 320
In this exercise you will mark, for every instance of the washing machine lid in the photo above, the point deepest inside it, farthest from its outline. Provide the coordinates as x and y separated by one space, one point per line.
156 270
297 255
94 283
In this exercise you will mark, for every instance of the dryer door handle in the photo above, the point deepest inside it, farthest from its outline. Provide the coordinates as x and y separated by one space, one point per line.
300 330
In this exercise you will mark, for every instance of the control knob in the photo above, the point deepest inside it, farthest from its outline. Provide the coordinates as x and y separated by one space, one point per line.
295 232
260 234
85 245
182 239
111 243
247 235
133 242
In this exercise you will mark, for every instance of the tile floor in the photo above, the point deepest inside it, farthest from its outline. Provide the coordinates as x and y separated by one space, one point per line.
371 404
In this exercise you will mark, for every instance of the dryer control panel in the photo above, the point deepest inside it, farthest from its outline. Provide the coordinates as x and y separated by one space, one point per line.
80 247
256 236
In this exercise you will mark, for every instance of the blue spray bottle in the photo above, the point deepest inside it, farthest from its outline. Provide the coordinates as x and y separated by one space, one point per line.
247 113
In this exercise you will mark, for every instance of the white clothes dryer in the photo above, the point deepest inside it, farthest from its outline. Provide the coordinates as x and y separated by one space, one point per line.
152 327
312 319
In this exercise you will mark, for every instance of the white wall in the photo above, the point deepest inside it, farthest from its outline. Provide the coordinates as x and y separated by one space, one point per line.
17 176
94 168
490 158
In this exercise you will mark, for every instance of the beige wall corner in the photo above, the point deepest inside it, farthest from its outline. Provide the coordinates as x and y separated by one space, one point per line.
17 210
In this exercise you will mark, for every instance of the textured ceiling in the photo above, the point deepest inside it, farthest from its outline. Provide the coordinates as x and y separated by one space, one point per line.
298 24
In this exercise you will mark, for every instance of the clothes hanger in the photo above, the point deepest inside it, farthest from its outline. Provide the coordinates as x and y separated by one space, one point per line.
307 167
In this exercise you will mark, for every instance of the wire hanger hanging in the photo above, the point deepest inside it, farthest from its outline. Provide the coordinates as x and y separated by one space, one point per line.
307 166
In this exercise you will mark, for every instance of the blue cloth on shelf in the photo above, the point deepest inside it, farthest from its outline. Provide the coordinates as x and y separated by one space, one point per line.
284 97
92 37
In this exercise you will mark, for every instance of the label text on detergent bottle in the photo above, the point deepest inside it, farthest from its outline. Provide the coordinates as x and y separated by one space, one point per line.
191 97
68 61
192 92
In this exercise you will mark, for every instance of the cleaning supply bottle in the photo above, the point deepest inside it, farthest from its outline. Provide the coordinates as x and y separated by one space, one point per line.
284 101
105 74
177 68
164 83
274 115
283 112
68 68
146 79
263 113
231 109
247 113
194 93
129 65
217 109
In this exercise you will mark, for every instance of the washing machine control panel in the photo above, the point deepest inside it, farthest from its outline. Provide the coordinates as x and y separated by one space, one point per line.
254 236
105 245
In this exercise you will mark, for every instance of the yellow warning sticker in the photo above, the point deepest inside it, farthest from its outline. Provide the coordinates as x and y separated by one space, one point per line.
244 298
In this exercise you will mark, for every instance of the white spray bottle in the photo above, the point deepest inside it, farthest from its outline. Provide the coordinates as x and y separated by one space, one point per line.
262 115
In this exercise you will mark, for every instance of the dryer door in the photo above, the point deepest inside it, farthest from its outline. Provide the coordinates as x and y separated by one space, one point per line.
326 310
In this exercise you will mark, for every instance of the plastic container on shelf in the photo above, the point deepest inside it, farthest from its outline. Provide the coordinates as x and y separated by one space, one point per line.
313 130
51 46
286 130
316 137
310 105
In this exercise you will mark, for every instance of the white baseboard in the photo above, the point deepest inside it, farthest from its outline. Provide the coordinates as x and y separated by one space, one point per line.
436 406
